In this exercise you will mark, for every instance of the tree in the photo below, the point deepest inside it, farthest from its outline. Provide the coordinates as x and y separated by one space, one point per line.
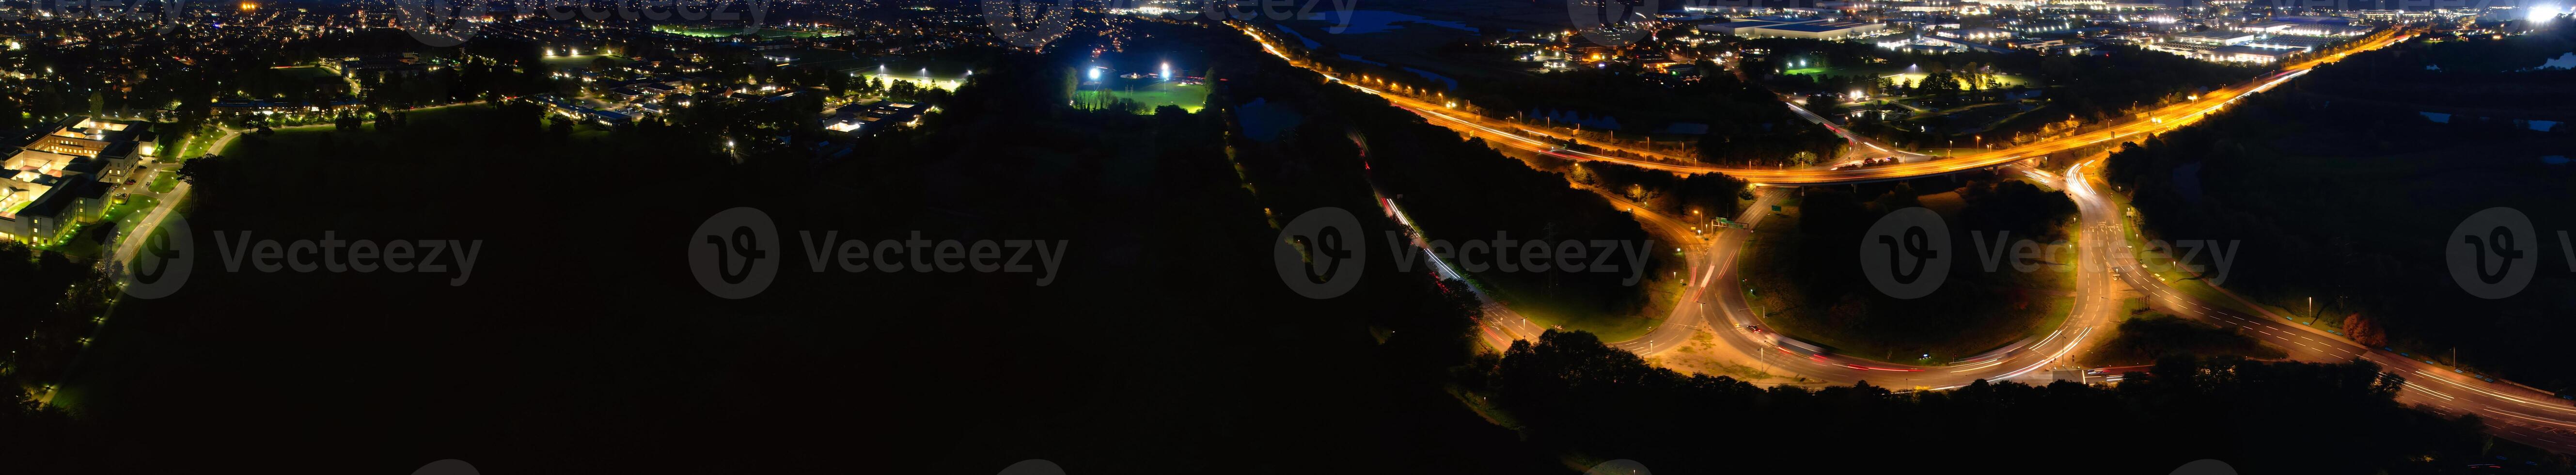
2362 329
207 166
559 128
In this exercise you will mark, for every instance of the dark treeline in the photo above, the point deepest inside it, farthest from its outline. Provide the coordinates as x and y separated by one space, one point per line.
582 343
1458 189
2091 86
1746 124
47 303
2088 87
1571 392
2147 337
2352 202
2436 74
1701 196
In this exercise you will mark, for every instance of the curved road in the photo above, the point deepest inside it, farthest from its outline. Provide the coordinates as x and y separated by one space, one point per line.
1713 296
2511 411
2160 120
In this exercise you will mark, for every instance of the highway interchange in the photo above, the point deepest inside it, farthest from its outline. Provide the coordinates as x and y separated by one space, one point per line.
1714 301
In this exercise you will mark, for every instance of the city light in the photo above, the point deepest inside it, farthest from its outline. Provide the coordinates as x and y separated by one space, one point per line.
2542 12
1174 200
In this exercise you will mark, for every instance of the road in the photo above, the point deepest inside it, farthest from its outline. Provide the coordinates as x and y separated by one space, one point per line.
1717 304
2511 411
1714 300
1710 256
1853 154
2159 120
130 240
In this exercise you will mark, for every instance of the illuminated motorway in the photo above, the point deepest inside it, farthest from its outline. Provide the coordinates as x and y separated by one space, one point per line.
2160 120
2512 411
1720 300
1714 301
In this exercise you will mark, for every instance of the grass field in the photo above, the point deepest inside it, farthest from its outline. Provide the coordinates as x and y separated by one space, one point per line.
163 181
2148 336
118 216
2006 80
2047 299
127 351
1150 96
1662 293
196 146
